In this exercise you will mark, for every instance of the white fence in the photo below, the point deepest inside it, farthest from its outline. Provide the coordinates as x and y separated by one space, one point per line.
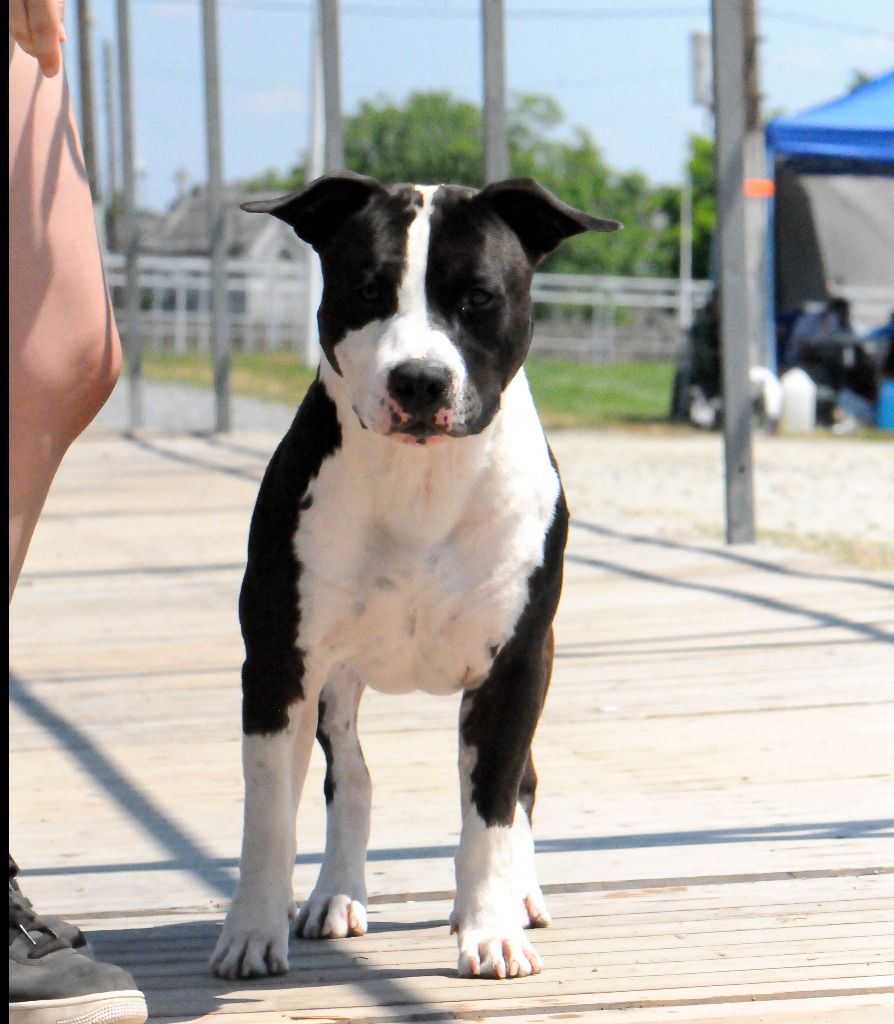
608 318
587 317
266 302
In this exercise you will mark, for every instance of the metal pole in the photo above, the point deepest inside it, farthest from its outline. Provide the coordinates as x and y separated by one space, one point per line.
85 80
112 184
728 25
315 167
756 208
220 334
700 68
686 251
751 74
334 158
132 339
496 147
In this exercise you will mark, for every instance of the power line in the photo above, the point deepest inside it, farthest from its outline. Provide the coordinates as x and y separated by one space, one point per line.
553 13
825 24
248 5
539 13
616 13
656 74
402 11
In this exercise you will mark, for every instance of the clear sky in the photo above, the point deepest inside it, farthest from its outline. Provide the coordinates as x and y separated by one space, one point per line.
619 69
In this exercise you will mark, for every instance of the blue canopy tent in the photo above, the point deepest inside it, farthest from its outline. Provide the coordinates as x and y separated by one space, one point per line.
853 134
832 219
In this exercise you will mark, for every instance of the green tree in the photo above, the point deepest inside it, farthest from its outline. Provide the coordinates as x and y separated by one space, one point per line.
576 171
434 137
275 181
431 138
704 208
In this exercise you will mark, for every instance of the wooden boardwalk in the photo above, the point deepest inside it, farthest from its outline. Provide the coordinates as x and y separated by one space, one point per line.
716 817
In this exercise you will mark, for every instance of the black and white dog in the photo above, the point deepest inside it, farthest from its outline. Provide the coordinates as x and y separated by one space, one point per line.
408 535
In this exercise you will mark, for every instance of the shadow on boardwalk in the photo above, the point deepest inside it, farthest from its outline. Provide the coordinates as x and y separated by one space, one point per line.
713 823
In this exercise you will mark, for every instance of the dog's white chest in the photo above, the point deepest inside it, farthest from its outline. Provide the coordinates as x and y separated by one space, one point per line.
414 570
409 618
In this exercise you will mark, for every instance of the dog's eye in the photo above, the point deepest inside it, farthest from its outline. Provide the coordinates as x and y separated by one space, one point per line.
477 298
370 293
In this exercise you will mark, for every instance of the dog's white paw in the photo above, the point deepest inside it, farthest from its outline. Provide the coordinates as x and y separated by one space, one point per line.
496 953
252 945
331 916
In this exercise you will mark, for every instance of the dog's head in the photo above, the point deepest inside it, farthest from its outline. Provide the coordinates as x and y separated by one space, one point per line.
426 308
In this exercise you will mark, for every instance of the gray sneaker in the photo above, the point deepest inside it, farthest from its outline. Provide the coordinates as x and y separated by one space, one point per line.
69 932
54 980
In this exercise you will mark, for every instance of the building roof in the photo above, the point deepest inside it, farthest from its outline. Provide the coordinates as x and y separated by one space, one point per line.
183 230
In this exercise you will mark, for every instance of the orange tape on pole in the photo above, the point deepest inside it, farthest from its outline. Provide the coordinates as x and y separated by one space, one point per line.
759 188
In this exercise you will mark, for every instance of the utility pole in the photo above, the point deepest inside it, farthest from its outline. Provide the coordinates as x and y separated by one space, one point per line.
112 185
326 146
496 147
728 27
761 344
315 167
685 312
334 150
752 86
85 81
700 69
132 336
217 221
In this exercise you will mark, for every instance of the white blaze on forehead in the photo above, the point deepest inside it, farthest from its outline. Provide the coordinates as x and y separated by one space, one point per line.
368 355
411 293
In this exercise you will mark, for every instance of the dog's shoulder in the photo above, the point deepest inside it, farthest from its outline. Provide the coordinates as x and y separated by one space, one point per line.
272 568
314 435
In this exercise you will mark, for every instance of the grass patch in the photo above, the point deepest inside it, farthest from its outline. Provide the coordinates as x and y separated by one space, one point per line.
268 376
572 394
568 394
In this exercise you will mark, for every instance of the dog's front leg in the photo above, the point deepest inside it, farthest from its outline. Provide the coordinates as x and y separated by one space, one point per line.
255 937
496 890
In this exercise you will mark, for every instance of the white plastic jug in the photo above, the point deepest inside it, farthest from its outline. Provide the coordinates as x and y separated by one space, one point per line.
798 402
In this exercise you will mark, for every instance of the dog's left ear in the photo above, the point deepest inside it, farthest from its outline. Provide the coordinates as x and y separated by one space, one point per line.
540 219
316 211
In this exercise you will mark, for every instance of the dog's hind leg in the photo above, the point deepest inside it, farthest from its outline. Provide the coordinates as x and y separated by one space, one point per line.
337 906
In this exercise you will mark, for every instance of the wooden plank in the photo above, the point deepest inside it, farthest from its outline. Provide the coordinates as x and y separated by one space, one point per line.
714 817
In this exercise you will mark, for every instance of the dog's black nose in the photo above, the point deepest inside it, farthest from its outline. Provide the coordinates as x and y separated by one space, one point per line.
420 386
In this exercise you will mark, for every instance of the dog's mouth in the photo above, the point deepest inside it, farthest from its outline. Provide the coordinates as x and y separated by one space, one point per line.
412 431
419 432
427 429
422 431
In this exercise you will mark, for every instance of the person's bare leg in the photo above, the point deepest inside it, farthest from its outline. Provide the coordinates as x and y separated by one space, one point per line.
64 359
64 353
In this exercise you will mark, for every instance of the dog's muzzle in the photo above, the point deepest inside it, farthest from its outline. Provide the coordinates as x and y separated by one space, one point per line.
420 395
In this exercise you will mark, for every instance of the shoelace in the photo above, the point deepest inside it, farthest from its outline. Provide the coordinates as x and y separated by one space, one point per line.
24 921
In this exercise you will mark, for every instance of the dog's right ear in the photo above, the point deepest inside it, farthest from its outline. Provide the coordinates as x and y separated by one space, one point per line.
316 211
